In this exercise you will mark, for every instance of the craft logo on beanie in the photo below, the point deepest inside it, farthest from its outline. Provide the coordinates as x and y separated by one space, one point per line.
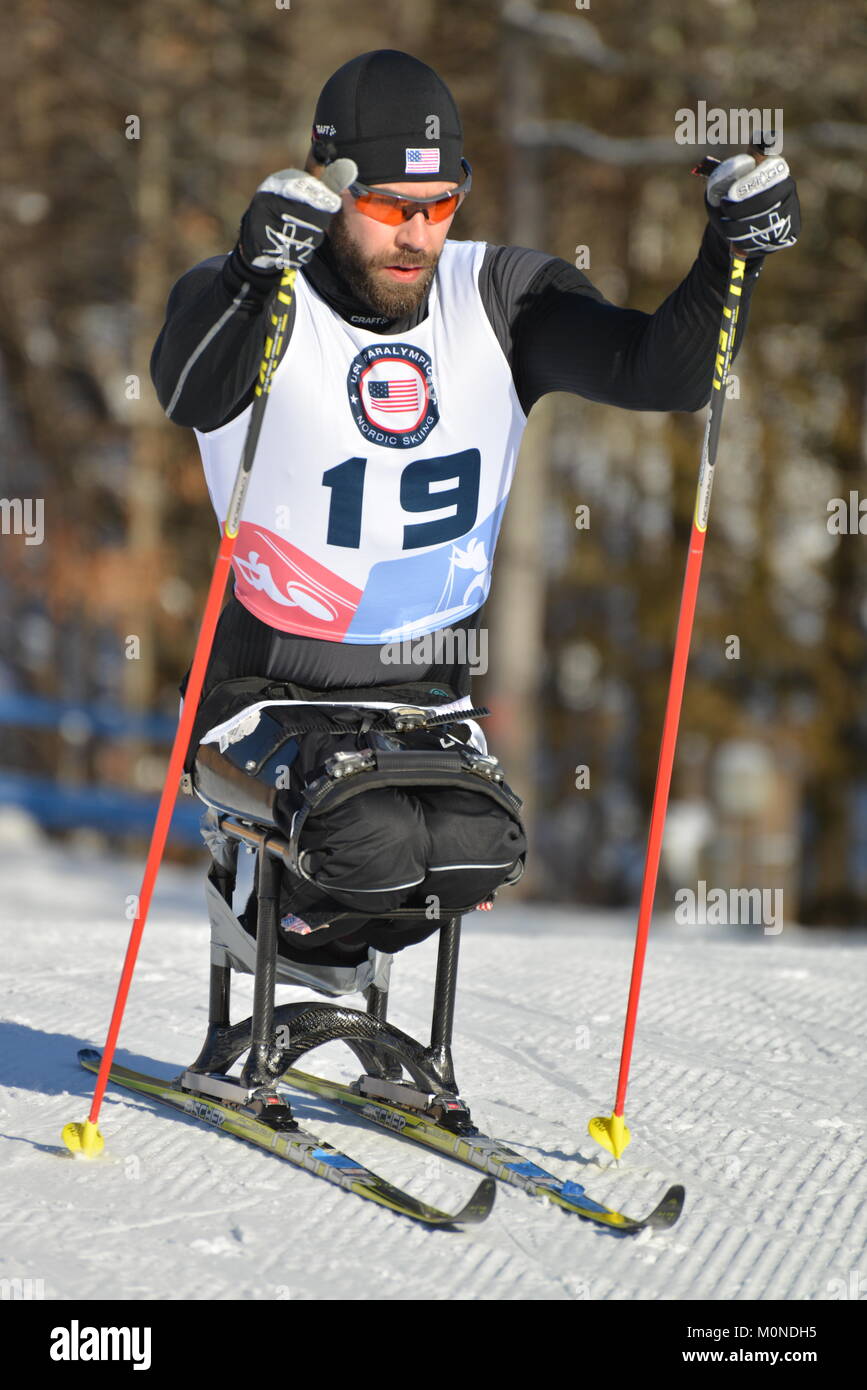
394 116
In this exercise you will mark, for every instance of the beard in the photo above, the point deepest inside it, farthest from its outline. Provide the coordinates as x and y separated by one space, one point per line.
392 301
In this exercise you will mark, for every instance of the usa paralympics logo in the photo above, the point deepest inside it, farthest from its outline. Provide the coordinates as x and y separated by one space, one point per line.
392 395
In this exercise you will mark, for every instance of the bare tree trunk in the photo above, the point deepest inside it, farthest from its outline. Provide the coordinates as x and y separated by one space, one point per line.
838 896
152 211
516 611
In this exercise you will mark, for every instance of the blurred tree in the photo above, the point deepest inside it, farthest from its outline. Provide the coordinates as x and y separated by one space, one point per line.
570 118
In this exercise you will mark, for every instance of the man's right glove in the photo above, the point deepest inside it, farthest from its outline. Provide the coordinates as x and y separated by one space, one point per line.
754 204
289 216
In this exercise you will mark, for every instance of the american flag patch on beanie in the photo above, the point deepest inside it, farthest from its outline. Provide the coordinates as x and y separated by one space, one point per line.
422 162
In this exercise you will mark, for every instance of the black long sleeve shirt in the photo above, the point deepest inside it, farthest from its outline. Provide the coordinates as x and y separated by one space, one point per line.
557 332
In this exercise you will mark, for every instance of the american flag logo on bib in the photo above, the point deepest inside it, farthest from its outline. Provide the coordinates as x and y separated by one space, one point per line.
392 394
422 162
397 394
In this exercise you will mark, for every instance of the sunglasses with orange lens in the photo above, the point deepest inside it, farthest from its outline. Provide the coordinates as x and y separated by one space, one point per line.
394 208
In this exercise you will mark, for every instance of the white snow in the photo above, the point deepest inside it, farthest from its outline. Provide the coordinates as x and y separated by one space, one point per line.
747 1085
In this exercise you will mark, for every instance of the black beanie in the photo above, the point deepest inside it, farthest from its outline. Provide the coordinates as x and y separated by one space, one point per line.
394 116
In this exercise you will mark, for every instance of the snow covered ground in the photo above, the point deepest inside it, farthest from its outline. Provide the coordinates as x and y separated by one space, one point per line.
748 1085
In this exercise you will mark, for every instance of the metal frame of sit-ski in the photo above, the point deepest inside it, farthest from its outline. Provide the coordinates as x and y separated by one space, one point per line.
276 1036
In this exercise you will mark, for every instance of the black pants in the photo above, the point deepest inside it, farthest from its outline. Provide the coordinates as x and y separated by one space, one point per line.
435 848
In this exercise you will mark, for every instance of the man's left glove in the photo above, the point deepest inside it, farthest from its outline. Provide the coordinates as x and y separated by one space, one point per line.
754 206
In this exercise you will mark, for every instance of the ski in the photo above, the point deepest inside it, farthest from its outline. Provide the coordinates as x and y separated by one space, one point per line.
298 1146
482 1152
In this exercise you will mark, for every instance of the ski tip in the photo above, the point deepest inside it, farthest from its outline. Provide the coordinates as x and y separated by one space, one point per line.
480 1205
669 1209
89 1055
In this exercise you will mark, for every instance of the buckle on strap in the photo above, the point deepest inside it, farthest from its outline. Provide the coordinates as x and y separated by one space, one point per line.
344 764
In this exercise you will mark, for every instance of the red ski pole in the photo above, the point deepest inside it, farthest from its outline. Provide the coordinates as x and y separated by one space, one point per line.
611 1132
85 1138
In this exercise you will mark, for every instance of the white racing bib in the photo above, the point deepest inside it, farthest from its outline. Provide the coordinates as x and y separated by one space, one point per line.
382 469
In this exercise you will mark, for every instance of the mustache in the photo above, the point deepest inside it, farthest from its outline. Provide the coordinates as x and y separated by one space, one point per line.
405 260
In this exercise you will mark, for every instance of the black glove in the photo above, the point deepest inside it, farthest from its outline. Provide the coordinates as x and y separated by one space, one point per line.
289 215
754 206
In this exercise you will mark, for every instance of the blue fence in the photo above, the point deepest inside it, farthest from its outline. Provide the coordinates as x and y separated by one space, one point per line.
60 806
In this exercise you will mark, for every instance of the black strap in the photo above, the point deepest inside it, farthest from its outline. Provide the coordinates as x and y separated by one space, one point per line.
231 697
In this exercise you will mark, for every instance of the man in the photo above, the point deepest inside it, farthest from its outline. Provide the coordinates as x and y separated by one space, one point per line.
395 418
